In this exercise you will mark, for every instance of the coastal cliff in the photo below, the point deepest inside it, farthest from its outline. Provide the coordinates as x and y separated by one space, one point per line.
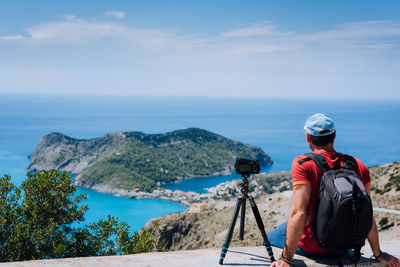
134 160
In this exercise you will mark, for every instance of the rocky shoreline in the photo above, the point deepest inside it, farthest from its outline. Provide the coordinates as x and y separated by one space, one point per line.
181 197
221 173
164 194
223 191
184 198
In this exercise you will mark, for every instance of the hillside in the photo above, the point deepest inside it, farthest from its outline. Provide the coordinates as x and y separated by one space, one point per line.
127 160
182 231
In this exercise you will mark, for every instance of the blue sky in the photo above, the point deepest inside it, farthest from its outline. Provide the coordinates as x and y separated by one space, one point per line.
296 49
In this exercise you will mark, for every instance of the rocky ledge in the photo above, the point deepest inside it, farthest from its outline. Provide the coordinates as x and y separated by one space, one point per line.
236 256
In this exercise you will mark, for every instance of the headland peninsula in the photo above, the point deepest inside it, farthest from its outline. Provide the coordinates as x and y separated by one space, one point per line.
136 165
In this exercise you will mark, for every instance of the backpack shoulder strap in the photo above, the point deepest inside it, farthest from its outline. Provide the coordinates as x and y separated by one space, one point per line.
318 159
323 166
349 162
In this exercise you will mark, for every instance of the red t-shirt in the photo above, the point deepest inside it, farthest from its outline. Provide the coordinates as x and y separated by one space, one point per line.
309 173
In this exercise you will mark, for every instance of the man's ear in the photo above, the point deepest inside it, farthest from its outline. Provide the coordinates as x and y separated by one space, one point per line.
311 146
334 135
308 138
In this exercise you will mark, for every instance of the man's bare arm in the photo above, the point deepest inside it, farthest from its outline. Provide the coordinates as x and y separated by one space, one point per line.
295 223
297 218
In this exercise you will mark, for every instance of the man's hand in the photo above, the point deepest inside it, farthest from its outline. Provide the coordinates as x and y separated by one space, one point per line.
281 263
387 259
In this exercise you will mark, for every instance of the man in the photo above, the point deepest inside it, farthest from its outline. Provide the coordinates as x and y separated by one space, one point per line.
320 135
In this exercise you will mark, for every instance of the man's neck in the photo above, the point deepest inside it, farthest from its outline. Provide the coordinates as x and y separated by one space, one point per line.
328 148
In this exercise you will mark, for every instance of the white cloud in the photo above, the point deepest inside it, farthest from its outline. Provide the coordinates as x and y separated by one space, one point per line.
265 29
116 14
11 37
76 31
382 28
364 30
264 38
254 48
69 17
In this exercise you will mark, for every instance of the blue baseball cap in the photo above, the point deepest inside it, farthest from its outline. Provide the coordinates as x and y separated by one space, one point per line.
319 125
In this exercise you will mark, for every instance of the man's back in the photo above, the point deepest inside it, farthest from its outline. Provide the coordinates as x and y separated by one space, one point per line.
309 173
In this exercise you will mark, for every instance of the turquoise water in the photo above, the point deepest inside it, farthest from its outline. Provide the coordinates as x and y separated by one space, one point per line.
134 211
200 184
367 130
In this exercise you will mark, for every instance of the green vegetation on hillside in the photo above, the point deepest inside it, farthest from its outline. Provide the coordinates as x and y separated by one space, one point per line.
36 223
139 165
269 183
385 178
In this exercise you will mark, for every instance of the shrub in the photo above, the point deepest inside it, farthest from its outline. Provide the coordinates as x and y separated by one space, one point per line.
39 226
384 221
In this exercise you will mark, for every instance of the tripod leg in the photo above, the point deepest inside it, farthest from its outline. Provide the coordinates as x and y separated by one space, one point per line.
230 230
261 227
242 218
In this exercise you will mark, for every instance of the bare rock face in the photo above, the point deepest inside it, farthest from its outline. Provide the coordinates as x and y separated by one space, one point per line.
208 229
58 151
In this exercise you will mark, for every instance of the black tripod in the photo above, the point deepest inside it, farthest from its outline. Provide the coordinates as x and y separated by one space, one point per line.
241 203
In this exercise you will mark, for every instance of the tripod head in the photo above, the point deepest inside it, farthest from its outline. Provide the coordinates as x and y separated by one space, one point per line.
245 167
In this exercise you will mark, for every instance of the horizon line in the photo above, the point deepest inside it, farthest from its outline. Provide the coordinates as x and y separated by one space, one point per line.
258 98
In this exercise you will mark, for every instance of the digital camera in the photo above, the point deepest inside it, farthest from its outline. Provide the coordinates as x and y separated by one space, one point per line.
245 167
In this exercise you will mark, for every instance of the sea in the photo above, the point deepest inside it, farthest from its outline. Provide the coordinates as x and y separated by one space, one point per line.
368 130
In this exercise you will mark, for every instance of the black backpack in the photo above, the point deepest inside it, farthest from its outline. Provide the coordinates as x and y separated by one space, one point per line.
344 210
